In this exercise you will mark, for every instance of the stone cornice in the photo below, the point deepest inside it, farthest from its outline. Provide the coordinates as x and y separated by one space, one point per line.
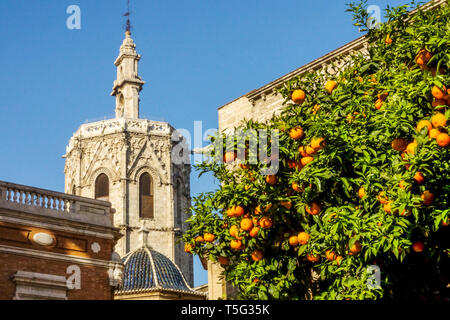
56 256
119 125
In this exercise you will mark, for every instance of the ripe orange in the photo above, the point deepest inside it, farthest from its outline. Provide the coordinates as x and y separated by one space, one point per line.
223 260
293 241
411 148
310 151
439 120
286 204
302 151
244 166
298 96
439 93
399 144
316 108
265 222
405 213
338 259
330 86
313 209
199 239
271 180
433 133
188 248
439 102
356 247
254 232
424 123
236 244
259 210
387 207
229 156
317 143
330 255
257 255
382 197
303 238
209 237
296 133
388 40
423 57
305 160
234 231
237 211
312 257
443 140
418 246
296 187
378 104
361 192
246 224
427 197
419 177
291 164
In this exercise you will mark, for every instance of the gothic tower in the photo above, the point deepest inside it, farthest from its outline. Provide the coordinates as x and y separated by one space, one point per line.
130 162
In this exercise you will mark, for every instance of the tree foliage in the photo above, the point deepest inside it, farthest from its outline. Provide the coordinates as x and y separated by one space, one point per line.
379 184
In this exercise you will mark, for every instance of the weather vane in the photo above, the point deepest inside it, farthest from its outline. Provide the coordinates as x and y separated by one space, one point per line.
127 14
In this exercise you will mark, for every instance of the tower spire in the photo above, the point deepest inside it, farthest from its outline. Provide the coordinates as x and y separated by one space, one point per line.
128 84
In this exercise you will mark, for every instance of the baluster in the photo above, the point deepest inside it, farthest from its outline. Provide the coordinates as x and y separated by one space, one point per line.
46 201
41 201
8 194
15 195
72 206
21 198
54 203
65 205
60 204
28 198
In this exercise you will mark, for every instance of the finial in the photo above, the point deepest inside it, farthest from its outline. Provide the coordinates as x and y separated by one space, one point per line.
143 235
127 14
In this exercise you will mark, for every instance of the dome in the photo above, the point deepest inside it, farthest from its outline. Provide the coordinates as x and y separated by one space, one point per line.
148 270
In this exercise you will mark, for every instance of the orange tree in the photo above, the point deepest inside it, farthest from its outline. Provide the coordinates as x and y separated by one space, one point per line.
363 179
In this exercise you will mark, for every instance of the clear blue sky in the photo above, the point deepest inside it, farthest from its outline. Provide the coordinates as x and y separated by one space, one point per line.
196 56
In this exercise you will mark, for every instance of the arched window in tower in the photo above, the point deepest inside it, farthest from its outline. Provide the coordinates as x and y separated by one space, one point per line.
102 187
146 210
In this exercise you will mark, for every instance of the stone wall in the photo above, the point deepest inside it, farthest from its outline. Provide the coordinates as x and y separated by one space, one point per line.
47 238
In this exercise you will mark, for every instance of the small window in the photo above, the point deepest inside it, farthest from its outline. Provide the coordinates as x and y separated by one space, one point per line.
102 187
146 210
74 190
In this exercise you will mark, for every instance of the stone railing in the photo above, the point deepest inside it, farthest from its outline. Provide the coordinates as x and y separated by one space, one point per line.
58 205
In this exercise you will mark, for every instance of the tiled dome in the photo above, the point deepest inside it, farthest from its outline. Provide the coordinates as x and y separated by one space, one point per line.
147 270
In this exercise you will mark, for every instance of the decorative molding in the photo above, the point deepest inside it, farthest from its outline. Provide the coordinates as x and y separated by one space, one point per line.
55 256
39 286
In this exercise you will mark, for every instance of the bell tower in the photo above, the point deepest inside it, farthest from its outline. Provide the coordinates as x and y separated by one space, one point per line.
128 84
129 161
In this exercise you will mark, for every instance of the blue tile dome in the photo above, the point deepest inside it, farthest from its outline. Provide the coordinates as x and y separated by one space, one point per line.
148 270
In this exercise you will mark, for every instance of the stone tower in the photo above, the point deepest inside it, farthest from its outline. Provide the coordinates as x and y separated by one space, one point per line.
130 162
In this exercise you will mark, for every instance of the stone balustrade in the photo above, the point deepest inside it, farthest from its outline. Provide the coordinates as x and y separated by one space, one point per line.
20 198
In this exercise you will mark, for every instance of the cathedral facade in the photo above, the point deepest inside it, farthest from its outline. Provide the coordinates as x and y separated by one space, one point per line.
135 164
